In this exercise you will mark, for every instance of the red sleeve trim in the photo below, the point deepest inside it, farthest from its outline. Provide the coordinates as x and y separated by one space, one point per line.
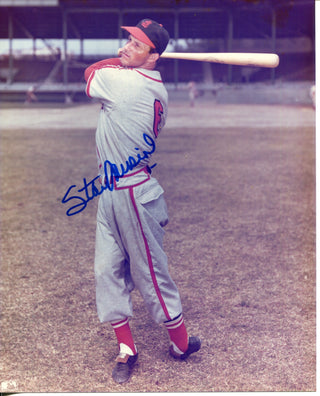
90 71
88 83
100 65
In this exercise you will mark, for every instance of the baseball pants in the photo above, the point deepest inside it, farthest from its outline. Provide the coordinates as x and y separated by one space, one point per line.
129 251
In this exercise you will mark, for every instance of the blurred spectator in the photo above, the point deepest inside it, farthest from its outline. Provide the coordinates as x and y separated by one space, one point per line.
30 95
313 95
193 92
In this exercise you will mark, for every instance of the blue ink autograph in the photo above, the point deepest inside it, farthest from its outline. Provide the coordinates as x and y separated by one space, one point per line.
112 172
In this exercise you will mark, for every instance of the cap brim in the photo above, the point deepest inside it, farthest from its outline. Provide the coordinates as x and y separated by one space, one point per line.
139 34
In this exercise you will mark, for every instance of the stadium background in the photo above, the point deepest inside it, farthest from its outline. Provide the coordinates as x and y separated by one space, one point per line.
284 27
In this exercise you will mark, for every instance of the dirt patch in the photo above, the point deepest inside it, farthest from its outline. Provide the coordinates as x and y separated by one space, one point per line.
240 243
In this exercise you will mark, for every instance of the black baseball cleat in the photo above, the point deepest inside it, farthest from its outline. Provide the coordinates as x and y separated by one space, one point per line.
193 346
122 371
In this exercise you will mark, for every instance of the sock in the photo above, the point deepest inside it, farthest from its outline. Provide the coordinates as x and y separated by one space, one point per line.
178 334
124 336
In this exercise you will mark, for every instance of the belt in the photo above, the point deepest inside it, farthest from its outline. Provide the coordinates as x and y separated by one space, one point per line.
147 170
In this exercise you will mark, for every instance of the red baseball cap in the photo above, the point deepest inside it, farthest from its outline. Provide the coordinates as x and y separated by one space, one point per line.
151 33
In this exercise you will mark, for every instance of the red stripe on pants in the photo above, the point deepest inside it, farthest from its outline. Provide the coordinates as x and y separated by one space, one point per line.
153 275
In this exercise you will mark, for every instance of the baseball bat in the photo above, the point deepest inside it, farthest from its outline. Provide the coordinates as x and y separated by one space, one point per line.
229 58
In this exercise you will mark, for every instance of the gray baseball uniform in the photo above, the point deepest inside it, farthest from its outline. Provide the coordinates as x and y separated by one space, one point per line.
132 211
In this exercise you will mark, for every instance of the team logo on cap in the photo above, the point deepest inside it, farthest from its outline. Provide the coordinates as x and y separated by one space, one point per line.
145 24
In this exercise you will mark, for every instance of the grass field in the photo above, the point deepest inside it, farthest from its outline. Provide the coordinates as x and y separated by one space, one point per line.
240 187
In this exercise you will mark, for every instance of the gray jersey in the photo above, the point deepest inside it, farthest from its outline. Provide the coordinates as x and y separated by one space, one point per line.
134 104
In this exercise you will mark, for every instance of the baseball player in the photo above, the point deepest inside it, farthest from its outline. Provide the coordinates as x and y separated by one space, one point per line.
132 211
